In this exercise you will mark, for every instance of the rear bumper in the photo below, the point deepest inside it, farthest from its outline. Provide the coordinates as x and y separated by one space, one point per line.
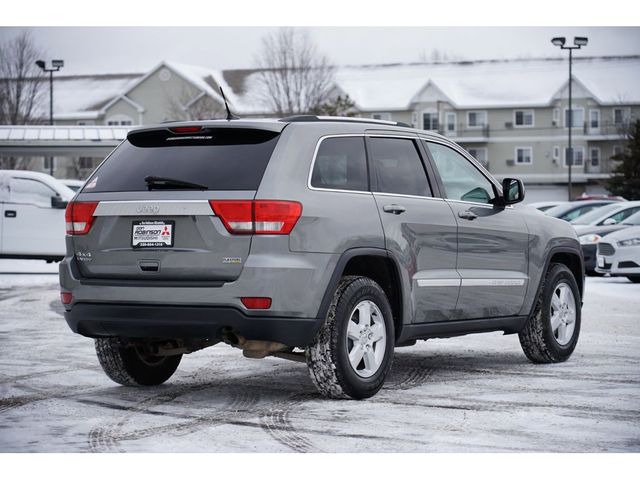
175 321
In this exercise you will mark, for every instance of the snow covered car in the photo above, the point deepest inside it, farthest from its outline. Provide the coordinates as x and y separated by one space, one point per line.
32 221
619 254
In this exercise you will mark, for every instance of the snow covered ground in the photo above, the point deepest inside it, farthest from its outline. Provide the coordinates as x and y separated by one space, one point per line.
474 393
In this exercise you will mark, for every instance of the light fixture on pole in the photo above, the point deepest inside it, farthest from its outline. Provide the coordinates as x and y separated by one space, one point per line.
56 65
578 42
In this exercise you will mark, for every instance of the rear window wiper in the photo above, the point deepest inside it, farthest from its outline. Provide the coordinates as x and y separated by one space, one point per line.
165 182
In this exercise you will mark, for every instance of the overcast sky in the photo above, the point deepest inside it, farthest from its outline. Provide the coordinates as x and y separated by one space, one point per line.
136 49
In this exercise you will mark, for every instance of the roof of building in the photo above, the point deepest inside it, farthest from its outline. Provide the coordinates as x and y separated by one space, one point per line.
392 87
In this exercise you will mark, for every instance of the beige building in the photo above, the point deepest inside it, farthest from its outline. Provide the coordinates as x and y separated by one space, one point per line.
512 115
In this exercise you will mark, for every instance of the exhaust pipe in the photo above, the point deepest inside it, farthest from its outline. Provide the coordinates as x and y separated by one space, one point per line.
253 348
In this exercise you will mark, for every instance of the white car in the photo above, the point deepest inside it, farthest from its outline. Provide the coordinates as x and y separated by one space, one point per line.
619 254
610 214
73 184
32 207
544 206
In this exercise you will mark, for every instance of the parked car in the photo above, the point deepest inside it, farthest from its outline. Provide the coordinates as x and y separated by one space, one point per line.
609 214
290 238
590 235
619 254
572 210
615 198
544 206
72 183
32 217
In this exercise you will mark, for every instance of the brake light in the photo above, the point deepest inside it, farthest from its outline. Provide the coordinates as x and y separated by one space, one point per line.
79 217
262 217
185 129
256 303
66 298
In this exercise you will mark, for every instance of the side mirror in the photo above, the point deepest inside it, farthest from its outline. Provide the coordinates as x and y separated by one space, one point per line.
512 191
610 221
59 203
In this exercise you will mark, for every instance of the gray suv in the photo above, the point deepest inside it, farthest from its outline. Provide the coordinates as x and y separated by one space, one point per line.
330 241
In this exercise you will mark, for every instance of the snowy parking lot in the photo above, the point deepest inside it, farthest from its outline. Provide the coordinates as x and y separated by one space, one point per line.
474 393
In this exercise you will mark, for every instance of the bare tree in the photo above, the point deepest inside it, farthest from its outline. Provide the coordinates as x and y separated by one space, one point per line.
184 106
21 82
21 89
294 78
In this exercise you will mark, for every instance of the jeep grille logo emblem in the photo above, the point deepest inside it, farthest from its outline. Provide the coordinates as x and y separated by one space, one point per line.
149 209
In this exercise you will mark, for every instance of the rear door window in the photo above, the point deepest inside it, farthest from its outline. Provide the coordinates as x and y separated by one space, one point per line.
341 164
398 166
220 159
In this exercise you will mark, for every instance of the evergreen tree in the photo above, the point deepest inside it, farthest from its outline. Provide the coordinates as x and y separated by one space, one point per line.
626 179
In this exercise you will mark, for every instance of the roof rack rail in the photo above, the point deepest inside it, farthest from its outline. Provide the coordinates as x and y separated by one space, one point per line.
320 118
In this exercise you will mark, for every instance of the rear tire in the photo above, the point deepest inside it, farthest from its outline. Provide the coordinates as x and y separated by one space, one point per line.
634 278
352 353
131 366
551 333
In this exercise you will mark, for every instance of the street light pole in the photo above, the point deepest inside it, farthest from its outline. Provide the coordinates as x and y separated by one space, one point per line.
56 65
578 42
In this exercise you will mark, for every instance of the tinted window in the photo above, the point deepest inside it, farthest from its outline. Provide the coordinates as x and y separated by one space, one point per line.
594 213
573 214
398 166
461 180
341 163
221 159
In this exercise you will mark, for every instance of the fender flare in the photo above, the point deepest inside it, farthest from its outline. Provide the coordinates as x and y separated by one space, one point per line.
339 269
552 251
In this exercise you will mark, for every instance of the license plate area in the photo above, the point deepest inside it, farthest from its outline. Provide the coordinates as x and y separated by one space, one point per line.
152 233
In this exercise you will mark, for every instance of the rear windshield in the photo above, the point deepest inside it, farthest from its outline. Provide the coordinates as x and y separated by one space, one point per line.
220 159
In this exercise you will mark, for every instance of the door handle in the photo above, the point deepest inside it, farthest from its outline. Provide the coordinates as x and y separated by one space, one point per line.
10 213
395 209
467 215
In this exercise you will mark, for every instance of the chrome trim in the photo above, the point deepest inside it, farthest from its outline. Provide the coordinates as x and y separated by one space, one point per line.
438 282
339 135
385 194
145 208
470 282
492 282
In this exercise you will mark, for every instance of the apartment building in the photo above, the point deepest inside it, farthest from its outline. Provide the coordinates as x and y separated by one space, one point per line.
512 115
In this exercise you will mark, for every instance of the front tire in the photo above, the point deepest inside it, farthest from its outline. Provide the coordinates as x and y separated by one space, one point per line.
634 278
551 334
352 353
130 365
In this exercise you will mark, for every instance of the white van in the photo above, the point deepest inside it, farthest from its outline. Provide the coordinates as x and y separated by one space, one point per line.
32 206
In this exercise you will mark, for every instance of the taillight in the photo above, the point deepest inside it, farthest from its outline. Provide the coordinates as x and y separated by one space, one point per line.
66 298
256 303
79 217
262 217
193 129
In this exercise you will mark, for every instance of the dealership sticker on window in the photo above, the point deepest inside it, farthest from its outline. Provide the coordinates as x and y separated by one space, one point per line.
152 233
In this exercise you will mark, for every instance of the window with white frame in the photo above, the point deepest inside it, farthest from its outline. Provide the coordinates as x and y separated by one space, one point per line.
556 152
524 155
578 117
450 120
619 116
430 120
617 150
479 154
578 156
556 116
594 156
477 119
523 118
85 163
381 116
594 119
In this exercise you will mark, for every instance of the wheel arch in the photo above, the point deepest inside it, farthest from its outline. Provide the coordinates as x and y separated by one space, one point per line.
374 263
